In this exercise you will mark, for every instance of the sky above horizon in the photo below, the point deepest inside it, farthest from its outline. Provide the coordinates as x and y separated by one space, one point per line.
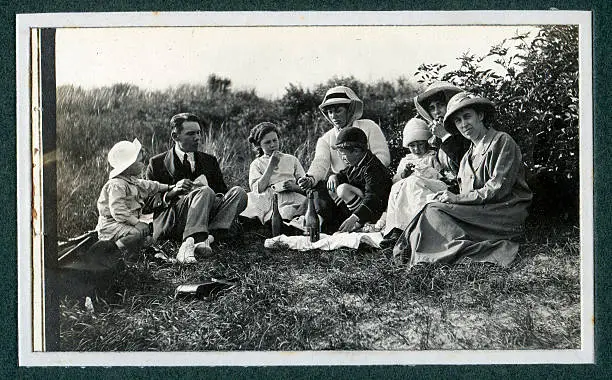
266 59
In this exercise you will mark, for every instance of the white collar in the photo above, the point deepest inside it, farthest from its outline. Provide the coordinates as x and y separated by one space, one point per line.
480 147
181 154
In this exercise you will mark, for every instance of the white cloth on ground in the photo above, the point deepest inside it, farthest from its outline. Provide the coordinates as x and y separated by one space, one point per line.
327 242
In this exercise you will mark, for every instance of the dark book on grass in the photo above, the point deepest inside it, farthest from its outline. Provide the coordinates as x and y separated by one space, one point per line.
205 289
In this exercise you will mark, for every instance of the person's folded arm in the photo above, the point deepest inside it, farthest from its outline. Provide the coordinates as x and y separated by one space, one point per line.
374 199
503 161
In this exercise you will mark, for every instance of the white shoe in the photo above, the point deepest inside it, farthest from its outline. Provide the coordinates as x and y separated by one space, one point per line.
185 254
203 248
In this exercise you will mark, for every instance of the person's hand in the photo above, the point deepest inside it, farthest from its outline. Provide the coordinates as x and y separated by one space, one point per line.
350 224
143 228
332 183
290 185
200 181
182 187
437 128
274 159
408 170
446 197
306 182
381 223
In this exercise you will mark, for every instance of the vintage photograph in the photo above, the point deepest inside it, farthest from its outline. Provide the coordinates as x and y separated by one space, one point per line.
349 187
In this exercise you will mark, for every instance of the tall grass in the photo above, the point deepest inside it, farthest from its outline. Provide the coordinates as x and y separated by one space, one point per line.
90 122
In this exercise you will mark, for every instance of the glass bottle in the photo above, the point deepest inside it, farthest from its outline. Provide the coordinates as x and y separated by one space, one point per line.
277 220
311 219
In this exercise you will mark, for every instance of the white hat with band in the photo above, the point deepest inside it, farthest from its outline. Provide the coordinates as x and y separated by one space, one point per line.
122 155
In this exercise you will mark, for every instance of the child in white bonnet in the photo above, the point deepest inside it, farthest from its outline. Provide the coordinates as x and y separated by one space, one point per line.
422 158
120 204
417 178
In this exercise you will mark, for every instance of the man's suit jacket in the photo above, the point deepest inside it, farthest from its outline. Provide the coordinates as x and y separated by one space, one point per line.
168 168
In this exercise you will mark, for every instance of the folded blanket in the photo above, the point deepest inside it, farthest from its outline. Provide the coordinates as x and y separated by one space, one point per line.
327 242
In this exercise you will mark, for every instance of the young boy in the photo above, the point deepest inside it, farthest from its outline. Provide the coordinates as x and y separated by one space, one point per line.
119 206
364 185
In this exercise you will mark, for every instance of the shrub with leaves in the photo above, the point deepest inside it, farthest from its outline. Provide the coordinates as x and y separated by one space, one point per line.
534 84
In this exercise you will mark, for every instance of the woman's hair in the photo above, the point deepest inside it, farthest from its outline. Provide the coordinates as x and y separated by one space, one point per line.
488 116
258 132
439 96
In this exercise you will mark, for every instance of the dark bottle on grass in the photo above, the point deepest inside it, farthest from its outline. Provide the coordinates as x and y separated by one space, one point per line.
311 219
277 220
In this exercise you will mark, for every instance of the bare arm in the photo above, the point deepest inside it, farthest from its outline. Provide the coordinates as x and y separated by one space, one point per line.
263 182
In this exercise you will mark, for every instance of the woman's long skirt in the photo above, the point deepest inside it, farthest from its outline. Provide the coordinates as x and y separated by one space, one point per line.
443 232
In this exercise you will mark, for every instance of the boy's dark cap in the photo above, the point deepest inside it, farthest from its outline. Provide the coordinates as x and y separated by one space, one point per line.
351 137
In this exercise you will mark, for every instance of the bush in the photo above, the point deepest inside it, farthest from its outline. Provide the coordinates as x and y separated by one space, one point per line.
535 89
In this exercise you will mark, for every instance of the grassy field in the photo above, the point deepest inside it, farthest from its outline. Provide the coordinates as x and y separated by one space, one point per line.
339 300
289 300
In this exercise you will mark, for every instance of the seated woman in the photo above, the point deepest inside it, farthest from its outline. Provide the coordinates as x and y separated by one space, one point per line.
486 218
431 106
272 172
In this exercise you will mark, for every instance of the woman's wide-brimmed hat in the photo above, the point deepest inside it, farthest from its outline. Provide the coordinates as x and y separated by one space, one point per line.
337 95
122 155
462 100
415 130
432 90
346 96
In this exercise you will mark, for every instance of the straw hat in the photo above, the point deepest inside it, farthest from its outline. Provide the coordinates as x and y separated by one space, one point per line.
462 100
435 88
415 130
346 96
122 155
337 95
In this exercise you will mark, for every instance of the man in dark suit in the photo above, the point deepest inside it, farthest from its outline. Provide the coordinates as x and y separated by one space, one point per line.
199 200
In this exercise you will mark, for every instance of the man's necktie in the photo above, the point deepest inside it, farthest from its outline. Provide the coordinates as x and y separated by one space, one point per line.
186 163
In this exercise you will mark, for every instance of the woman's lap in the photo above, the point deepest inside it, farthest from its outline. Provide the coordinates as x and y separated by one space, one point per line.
448 232
260 205
407 198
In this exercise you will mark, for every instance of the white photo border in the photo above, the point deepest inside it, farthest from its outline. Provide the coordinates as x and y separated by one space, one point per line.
25 158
